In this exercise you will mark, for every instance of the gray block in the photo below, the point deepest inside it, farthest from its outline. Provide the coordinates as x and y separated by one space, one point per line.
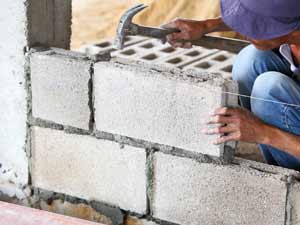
87 168
192 193
151 51
60 87
159 105
221 62
108 45
188 56
249 151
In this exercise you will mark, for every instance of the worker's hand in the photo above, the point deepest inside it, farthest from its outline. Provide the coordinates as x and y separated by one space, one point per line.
189 30
238 125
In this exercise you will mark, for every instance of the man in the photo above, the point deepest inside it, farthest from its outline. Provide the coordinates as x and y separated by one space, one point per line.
267 71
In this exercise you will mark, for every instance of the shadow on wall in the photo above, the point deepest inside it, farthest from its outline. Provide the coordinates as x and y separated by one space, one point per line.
94 20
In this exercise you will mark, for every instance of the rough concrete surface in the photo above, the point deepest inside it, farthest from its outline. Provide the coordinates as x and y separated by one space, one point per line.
13 160
191 193
60 88
88 168
157 105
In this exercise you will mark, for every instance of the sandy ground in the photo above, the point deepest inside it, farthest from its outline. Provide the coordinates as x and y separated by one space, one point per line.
94 20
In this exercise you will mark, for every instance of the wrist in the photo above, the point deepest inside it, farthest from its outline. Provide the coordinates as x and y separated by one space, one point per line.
216 25
268 134
212 25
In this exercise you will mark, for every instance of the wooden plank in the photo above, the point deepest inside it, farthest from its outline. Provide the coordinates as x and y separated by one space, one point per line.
11 214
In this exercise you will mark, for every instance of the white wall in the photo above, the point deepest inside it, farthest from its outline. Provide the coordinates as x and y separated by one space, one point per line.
23 23
14 170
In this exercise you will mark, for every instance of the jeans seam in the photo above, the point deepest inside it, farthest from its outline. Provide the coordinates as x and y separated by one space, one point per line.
284 110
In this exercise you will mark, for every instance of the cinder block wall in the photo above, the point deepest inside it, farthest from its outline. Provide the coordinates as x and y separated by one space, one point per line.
122 138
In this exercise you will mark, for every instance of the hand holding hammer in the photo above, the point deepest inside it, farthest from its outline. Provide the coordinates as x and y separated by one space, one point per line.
178 33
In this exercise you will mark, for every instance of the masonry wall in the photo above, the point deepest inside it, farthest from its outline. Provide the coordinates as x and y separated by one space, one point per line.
122 141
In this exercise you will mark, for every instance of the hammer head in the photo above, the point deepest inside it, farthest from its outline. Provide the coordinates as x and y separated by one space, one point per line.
125 25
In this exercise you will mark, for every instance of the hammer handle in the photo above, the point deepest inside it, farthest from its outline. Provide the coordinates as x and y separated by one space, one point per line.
226 44
153 32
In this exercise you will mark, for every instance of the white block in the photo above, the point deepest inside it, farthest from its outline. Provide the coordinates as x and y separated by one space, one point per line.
60 91
192 193
159 106
87 168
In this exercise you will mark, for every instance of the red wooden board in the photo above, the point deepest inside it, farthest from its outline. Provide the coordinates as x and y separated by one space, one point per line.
11 214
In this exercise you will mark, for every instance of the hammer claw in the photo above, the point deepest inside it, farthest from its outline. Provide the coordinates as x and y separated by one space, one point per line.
125 24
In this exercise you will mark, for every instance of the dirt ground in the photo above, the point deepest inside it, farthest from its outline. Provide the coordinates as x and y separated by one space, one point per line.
94 20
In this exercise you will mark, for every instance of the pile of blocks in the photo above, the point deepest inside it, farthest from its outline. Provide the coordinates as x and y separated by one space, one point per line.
153 51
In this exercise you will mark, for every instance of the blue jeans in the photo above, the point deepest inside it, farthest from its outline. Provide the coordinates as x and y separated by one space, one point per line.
267 75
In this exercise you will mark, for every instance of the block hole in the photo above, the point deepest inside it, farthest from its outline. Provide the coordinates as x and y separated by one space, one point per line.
128 52
168 50
147 46
127 39
193 53
103 44
150 57
203 65
227 69
174 61
220 58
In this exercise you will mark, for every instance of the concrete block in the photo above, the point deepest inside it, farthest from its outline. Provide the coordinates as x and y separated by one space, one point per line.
221 62
188 56
249 151
88 168
294 204
191 193
151 51
108 45
49 23
60 88
158 105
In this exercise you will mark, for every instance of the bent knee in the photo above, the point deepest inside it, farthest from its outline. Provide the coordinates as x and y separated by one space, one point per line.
269 85
248 63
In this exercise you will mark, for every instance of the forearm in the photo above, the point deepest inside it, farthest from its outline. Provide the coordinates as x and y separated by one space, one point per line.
216 25
282 140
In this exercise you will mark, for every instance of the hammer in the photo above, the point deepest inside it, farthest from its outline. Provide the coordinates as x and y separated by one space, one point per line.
127 28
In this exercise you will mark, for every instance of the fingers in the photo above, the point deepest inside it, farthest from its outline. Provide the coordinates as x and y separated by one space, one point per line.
171 25
219 119
220 130
224 111
223 139
178 39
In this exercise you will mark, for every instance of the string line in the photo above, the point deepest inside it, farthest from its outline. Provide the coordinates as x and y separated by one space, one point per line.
262 99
